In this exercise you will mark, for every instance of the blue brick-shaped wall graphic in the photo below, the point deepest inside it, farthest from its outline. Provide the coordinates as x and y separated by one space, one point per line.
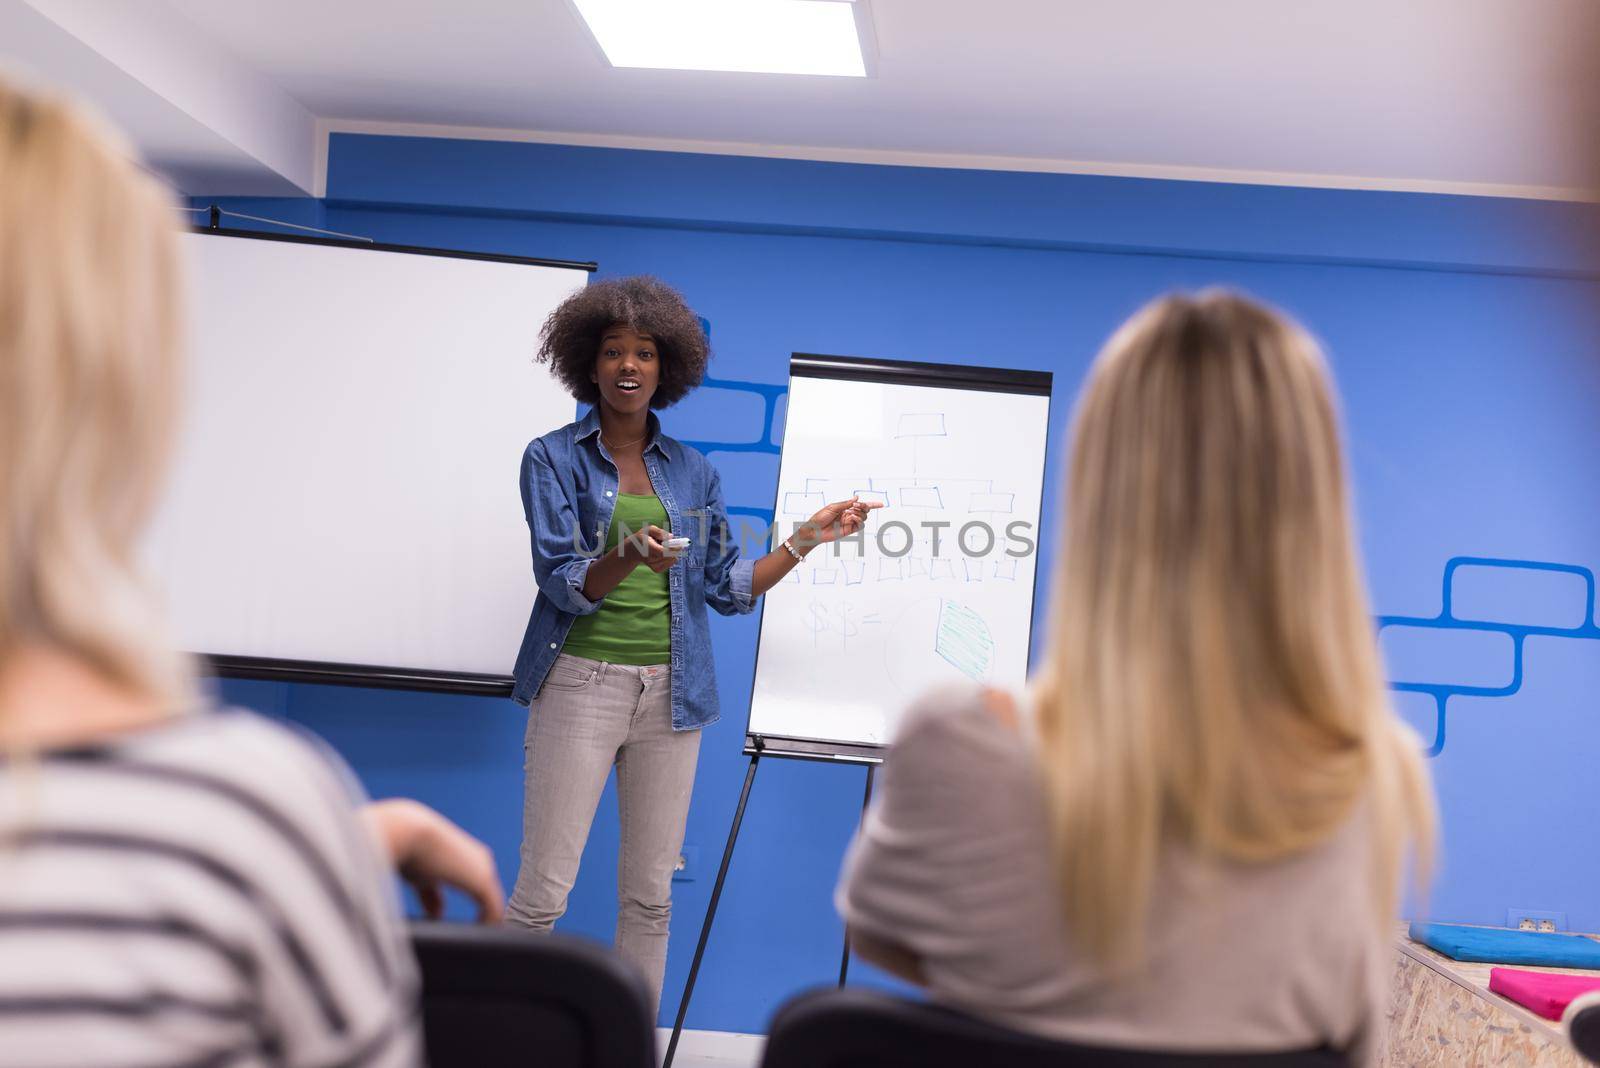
1546 592
780 420
1465 656
747 476
1419 711
707 430
1520 595
722 411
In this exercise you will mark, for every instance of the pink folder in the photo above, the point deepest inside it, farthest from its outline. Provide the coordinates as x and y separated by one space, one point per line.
1546 993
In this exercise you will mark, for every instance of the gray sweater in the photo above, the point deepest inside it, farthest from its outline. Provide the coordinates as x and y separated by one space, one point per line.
954 865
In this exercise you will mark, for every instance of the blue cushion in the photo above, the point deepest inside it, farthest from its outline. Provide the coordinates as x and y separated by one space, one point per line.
1499 945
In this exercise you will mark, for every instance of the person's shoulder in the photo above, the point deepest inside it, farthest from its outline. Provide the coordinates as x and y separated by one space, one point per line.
262 755
234 727
560 437
972 718
965 706
961 764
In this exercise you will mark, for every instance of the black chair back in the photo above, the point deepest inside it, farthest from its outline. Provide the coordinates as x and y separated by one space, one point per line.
864 1029
495 997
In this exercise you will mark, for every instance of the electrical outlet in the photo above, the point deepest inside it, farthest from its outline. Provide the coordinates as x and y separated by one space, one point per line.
688 865
1535 920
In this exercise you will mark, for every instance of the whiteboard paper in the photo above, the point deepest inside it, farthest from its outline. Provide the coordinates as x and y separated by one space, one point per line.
856 632
346 484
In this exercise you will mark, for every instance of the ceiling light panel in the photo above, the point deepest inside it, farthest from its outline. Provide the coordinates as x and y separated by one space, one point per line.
746 36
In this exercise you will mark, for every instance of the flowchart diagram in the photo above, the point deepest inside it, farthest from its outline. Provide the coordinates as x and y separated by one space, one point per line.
938 590
925 545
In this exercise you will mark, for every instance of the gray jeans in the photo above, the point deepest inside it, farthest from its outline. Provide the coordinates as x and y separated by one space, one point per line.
588 716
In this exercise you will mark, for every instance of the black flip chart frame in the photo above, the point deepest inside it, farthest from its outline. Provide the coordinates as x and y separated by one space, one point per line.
758 745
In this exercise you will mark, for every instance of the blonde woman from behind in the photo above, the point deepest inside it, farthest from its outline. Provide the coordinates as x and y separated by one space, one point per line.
1193 835
177 886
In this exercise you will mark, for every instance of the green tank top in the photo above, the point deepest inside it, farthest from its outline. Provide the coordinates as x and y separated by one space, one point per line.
633 625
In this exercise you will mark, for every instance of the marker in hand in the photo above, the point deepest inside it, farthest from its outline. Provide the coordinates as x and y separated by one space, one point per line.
655 548
674 549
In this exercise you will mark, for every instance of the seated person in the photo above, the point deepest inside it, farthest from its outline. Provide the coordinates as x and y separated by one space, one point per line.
1191 834
177 886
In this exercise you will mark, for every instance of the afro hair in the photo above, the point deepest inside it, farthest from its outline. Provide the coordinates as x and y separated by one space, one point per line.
571 336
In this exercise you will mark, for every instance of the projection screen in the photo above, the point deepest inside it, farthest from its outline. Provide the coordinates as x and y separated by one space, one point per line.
344 503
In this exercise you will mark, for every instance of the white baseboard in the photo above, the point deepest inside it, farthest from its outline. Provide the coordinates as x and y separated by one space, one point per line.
707 1048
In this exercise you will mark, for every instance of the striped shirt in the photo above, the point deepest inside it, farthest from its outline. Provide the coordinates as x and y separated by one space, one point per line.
198 893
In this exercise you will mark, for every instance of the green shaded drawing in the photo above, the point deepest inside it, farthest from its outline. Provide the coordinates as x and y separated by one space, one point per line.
963 639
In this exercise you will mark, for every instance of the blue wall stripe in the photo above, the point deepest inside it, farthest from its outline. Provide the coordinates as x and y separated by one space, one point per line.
1006 209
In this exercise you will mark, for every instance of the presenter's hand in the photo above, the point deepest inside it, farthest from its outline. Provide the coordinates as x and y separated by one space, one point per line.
431 853
649 547
838 520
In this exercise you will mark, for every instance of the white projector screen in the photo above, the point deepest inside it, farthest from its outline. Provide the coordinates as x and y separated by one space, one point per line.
344 504
848 639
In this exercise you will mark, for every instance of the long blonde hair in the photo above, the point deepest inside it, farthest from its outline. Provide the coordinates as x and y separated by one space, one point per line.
1212 677
89 391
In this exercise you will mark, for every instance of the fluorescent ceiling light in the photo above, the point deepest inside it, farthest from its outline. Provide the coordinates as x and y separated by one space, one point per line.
750 36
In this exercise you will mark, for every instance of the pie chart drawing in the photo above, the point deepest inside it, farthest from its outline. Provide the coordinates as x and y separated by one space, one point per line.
938 641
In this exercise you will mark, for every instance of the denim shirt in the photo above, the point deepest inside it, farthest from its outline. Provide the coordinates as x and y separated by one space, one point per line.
569 488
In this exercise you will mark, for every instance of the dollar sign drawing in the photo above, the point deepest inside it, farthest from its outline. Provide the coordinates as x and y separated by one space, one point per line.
819 619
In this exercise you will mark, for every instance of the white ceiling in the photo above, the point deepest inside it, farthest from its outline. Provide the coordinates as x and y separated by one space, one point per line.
1473 96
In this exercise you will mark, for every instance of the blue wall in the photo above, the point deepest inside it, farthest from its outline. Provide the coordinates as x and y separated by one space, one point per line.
1463 332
